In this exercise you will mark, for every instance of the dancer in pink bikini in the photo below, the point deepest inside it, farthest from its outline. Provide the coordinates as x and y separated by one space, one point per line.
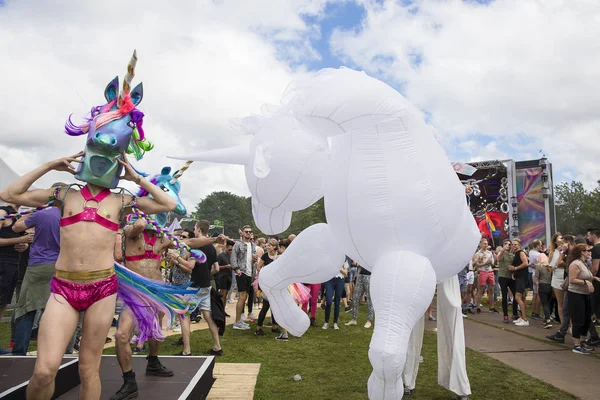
85 277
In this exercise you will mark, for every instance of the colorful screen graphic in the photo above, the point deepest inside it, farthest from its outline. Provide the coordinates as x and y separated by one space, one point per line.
532 220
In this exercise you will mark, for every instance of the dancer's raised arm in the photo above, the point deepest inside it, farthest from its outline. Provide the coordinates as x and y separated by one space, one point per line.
18 191
160 201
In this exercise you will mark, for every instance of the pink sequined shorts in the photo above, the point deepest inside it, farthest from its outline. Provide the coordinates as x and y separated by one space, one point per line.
82 296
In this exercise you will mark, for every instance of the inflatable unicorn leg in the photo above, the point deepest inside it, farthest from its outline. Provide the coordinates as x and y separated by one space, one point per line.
452 366
404 285
413 355
313 257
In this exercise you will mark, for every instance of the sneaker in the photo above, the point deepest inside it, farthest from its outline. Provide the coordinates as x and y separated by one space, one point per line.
478 310
516 321
177 343
493 310
282 337
557 337
5 351
335 326
408 392
183 354
157 369
548 324
252 317
432 318
522 323
275 330
325 325
213 352
586 345
259 333
506 319
581 350
351 322
313 323
515 317
241 327
134 339
177 329
348 309
11 345
137 350
594 341
245 324
536 316
368 324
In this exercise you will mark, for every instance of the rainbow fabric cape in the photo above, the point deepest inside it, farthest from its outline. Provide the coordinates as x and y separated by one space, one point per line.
148 299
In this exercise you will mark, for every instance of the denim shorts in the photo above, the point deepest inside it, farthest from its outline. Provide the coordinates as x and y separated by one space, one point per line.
201 299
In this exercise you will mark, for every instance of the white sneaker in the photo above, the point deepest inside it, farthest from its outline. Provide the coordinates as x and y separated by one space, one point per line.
243 319
368 324
240 326
251 316
351 322
245 324
336 327
177 329
325 325
516 321
522 323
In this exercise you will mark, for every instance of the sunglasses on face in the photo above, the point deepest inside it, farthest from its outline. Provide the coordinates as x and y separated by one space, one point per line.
247 232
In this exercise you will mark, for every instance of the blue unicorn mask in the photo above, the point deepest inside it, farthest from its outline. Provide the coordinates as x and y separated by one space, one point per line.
169 184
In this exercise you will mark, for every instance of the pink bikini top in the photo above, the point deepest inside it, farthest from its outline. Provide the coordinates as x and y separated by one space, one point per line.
89 213
149 253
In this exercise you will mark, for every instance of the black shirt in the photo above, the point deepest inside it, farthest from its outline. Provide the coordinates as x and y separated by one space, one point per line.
8 253
201 271
596 256
266 259
522 273
224 259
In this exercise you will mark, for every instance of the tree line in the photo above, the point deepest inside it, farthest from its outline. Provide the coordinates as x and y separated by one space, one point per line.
577 210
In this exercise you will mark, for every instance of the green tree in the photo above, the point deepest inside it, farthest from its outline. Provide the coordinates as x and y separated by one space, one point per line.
576 208
232 210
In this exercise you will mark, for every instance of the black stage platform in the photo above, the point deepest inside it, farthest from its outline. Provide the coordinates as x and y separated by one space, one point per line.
193 378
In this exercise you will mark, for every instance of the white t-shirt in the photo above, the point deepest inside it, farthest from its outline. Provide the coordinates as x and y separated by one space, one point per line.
533 257
249 255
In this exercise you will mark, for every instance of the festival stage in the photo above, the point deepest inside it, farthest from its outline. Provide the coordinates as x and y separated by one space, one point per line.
193 378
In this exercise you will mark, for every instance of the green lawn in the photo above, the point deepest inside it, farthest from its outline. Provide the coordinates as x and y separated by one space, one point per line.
335 365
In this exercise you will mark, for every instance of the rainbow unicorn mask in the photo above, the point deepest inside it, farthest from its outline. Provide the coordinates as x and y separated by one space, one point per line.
112 129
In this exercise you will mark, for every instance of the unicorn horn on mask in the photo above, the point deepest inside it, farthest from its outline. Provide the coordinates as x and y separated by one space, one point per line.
181 171
128 77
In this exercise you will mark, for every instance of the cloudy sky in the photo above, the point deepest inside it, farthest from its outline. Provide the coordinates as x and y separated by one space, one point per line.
498 79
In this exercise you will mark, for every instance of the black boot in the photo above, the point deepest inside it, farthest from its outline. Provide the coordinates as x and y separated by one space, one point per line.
154 367
129 390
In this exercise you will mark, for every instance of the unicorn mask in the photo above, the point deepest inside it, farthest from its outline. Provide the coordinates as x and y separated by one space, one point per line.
112 129
169 184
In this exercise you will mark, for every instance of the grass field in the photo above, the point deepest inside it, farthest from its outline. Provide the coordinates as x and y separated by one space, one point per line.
334 365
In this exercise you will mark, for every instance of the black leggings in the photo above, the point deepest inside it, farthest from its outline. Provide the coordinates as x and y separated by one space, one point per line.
263 314
505 284
580 310
545 292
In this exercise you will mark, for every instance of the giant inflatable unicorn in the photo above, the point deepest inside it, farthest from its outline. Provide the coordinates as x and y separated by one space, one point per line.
392 200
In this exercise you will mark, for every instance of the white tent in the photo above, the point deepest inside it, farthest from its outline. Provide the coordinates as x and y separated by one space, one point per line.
7 175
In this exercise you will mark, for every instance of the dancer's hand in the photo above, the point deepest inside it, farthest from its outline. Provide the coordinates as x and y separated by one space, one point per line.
21 247
64 164
130 173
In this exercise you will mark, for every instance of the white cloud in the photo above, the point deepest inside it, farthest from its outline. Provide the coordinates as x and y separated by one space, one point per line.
202 63
511 68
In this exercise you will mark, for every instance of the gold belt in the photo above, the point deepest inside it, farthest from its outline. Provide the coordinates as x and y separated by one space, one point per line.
84 275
